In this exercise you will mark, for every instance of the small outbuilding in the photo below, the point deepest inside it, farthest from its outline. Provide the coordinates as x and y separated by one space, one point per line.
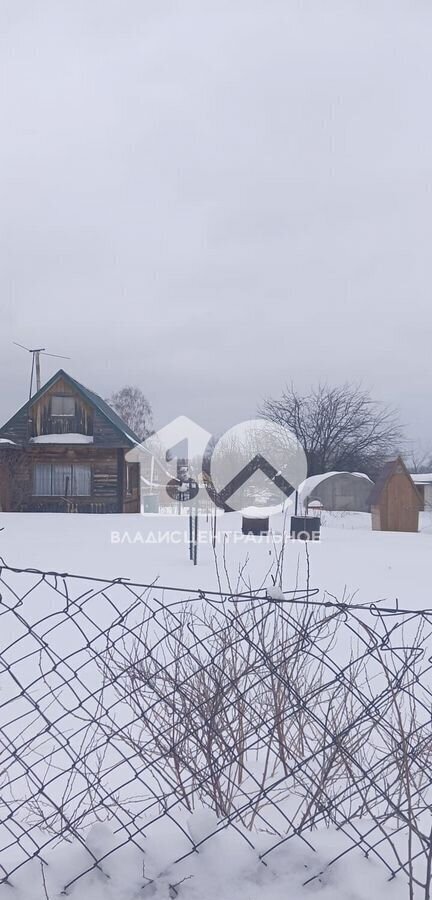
336 492
395 500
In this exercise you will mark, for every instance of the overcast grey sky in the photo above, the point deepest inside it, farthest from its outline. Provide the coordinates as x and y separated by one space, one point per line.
210 198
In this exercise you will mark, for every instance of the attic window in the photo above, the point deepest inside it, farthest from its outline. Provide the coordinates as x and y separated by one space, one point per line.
62 406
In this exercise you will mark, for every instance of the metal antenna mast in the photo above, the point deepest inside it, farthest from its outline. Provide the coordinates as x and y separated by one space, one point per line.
36 352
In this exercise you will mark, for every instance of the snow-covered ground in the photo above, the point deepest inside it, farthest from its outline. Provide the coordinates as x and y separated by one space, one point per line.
350 560
349 563
225 868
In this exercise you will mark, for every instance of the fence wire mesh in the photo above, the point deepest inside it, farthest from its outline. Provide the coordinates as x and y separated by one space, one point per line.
282 713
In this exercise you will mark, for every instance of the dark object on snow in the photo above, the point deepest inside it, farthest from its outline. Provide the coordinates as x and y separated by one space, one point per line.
395 500
255 525
306 528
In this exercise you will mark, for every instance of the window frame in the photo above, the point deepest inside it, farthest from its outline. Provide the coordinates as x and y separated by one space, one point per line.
131 479
62 415
128 480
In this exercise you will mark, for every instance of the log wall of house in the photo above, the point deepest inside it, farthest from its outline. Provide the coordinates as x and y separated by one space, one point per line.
4 482
106 485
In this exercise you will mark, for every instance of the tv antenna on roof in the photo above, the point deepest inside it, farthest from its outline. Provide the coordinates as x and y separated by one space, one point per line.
36 363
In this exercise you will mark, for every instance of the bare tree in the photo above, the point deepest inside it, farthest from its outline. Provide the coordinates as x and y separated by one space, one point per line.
419 460
133 407
340 428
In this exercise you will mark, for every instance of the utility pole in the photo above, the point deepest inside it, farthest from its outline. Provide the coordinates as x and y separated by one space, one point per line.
37 360
36 352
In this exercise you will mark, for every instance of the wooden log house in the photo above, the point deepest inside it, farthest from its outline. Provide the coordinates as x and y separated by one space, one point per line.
65 451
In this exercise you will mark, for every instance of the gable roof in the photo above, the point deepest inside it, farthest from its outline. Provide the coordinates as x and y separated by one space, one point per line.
391 468
94 399
106 410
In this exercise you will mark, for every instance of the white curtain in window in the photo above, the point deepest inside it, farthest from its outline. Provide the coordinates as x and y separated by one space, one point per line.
61 480
81 481
42 480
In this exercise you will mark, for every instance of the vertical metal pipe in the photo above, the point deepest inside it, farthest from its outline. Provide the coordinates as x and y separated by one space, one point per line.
190 534
196 539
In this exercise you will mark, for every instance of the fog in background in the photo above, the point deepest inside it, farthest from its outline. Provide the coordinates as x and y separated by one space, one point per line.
210 199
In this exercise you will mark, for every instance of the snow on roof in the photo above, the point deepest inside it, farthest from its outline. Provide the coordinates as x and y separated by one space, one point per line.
261 512
70 438
6 441
307 487
422 478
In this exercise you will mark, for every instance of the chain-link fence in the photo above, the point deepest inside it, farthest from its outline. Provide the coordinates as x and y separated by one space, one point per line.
285 715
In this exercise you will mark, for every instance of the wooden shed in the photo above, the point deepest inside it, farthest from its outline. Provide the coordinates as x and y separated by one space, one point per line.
395 501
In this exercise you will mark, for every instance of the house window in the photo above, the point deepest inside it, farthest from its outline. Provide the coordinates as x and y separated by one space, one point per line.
63 407
81 480
42 480
61 480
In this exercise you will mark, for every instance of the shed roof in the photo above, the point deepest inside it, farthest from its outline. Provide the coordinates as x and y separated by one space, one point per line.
393 467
